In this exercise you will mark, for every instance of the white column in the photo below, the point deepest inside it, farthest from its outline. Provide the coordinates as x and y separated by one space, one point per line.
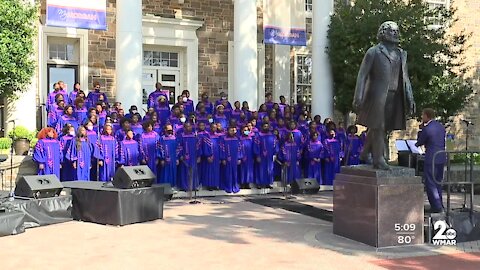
129 53
281 72
245 77
322 84
23 110
192 70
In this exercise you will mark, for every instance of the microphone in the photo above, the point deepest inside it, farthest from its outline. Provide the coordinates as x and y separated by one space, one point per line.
467 122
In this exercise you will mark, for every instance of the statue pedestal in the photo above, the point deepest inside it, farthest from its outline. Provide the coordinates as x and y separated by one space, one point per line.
379 208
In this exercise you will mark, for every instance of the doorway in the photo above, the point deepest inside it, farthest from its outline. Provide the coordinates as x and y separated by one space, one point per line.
170 80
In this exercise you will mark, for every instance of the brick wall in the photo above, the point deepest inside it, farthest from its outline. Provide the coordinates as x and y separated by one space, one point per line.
213 36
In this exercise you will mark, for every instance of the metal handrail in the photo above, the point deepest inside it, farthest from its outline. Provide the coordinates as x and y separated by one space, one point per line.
469 161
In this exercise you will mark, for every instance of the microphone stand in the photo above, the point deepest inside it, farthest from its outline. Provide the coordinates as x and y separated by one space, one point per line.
11 195
190 178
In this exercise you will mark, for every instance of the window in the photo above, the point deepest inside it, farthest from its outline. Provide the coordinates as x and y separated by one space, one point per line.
436 21
303 79
57 51
160 59
309 5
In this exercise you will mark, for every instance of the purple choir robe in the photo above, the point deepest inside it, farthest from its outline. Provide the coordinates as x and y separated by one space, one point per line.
173 120
202 118
231 152
149 150
93 97
102 117
72 96
353 148
51 97
65 119
342 138
222 120
163 113
266 146
208 107
248 161
269 106
48 152
120 135
108 147
155 95
129 153
332 167
116 126
52 117
190 151
158 128
236 114
189 108
80 114
82 154
169 153
290 155
202 135
315 150
211 164
67 173
137 131
92 136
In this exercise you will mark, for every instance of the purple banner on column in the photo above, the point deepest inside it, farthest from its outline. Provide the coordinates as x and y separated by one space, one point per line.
76 18
275 35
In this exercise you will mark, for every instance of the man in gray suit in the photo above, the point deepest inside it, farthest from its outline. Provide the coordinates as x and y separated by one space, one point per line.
383 95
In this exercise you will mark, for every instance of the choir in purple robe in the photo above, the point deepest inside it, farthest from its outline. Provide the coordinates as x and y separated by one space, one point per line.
332 165
108 147
150 147
67 173
266 146
210 172
315 153
290 156
231 156
353 147
186 143
247 168
190 156
48 153
169 155
129 151
80 153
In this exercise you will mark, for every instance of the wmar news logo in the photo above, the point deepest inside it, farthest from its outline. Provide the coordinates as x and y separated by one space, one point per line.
444 236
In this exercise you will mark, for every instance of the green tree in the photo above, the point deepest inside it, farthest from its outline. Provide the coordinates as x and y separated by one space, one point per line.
435 56
17 32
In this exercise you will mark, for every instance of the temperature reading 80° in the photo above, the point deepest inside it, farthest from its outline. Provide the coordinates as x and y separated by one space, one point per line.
404 227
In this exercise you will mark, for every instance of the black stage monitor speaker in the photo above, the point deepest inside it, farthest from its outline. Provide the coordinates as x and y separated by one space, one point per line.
305 186
133 177
38 186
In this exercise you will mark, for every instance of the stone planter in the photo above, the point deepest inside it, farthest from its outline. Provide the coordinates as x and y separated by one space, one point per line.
21 147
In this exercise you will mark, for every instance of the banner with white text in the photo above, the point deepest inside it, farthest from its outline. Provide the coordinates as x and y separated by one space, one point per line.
284 22
86 14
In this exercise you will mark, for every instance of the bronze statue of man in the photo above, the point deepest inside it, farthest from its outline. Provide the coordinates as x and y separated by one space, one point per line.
383 95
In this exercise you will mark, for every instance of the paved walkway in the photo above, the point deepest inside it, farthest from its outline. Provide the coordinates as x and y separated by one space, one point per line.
221 233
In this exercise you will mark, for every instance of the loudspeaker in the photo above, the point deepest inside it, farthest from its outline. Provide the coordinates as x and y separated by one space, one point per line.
133 177
305 186
38 186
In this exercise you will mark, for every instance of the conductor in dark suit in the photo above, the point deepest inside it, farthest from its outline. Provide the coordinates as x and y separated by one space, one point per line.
383 95
432 137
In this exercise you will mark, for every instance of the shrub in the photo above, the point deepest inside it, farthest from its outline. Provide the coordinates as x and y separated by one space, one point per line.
5 143
22 132
33 142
